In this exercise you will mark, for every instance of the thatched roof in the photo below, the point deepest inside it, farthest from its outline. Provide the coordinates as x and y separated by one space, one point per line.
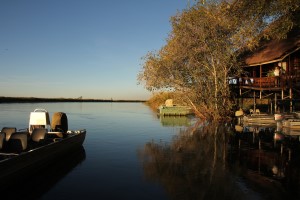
275 50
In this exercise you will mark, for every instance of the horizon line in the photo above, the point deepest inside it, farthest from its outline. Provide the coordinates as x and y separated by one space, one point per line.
4 99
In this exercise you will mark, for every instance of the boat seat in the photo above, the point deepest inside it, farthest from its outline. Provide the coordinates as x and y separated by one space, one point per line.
169 102
8 132
2 140
17 142
39 134
32 127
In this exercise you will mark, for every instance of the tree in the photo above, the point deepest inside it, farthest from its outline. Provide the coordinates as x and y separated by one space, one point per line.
203 47
254 21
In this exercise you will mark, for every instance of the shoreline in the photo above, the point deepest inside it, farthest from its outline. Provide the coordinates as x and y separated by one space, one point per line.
40 100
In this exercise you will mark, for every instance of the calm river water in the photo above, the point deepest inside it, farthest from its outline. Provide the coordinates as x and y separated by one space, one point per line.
130 153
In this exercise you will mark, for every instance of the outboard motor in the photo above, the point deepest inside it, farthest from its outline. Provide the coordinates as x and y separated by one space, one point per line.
59 122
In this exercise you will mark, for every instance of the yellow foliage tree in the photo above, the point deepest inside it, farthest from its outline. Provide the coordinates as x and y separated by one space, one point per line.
203 48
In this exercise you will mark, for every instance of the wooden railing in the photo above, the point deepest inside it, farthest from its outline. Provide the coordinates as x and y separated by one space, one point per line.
273 82
264 82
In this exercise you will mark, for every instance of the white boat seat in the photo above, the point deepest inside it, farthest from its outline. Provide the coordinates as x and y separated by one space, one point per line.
8 131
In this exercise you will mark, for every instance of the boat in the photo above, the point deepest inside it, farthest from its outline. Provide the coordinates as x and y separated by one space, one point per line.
259 119
24 150
291 123
297 114
172 109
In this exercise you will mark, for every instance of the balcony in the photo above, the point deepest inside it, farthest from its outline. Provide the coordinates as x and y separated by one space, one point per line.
263 83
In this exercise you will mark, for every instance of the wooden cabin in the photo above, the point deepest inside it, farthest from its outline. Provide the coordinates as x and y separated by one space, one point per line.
273 72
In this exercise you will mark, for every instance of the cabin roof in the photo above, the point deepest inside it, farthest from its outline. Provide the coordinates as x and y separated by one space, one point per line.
274 50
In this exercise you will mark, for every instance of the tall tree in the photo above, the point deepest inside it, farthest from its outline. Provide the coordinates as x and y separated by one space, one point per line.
203 46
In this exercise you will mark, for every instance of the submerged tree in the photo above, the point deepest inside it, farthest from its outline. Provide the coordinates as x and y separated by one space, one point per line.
204 44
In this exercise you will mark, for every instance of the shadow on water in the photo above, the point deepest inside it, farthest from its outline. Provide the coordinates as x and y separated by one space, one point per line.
213 161
38 181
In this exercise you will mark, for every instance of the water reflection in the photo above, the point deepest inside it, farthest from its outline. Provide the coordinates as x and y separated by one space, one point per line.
270 152
175 120
37 182
193 165
291 132
214 161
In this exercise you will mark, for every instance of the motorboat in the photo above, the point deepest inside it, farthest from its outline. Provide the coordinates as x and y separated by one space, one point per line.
291 123
171 109
25 149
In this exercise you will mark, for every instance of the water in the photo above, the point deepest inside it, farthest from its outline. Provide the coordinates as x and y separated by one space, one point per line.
130 153
109 167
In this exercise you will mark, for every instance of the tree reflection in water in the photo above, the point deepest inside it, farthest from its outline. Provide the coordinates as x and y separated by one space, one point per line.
211 161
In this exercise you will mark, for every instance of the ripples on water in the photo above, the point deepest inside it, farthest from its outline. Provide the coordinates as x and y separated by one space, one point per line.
130 153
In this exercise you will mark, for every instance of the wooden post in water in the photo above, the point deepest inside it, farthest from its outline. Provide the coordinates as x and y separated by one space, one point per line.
275 103
271 106
254 101
291 100
259 152
282 102
260 94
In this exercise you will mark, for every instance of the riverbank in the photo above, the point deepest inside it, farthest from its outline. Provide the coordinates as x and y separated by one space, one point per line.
37 100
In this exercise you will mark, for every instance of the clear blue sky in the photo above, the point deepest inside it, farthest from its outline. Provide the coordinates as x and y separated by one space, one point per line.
72 48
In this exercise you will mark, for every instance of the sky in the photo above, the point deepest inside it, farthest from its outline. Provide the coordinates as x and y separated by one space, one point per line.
74 48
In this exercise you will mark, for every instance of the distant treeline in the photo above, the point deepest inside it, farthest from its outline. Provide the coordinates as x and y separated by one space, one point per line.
37 100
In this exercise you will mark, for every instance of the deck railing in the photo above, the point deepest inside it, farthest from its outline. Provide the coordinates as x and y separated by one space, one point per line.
264 82
272 82
267 82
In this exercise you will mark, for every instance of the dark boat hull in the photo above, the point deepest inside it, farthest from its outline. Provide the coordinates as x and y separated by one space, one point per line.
16 167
